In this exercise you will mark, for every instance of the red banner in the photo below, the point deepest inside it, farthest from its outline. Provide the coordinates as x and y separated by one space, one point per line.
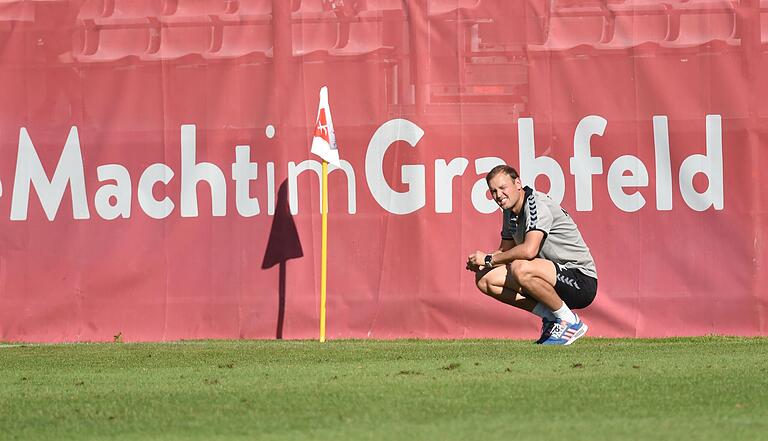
156 181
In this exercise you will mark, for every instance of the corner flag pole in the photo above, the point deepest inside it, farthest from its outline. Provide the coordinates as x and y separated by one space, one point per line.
324 145
324 251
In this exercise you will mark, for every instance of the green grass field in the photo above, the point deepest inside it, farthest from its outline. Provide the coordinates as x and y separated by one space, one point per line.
711 388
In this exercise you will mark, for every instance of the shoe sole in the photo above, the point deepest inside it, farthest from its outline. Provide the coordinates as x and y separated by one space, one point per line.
580 333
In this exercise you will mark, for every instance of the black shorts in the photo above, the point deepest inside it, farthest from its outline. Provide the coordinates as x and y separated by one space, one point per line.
576 289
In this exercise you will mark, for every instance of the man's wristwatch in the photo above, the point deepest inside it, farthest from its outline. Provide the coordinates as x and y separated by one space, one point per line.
488 258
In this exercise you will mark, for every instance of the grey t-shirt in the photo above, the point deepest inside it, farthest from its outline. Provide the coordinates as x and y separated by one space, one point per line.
562 244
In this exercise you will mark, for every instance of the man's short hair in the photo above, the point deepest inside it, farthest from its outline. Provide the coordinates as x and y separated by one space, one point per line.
507 170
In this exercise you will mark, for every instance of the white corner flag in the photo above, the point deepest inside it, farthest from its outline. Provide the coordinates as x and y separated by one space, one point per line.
324 140
324 146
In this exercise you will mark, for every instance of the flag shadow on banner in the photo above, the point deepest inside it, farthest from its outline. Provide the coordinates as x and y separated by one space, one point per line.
283 244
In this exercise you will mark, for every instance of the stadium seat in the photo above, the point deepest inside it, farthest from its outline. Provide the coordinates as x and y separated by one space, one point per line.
246 11
365 38
182 39
112 44
122 29
699 23
236 40
567 32
314 38
244 31
314 29
638 28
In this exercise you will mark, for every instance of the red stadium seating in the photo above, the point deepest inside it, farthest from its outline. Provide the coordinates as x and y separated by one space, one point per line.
314 30
245 31
113 44
235 40
127 28
180 40
568 32
364 38
314 38
696 23
631 30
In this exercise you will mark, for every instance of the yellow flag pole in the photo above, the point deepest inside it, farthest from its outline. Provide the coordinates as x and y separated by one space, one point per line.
324 251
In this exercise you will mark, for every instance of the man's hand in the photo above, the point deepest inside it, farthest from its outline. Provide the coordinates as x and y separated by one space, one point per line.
476 261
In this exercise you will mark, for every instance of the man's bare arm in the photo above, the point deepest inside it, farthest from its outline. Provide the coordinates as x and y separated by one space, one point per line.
506 244
527 250
508 251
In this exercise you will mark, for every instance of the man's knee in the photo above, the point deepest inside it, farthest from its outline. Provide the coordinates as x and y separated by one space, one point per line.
481 280
521 271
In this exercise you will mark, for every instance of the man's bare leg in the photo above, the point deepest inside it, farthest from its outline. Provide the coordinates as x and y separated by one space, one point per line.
523 284
530 285
534 279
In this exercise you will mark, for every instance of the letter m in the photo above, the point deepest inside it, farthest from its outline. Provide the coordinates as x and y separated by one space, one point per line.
69 171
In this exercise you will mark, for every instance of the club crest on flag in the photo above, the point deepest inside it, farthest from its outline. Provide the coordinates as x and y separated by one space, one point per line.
321 127
324 138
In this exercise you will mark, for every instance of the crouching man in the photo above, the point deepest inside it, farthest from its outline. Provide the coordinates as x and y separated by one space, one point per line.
543 265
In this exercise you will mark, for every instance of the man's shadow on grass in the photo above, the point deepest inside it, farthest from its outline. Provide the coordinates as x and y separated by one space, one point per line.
283 244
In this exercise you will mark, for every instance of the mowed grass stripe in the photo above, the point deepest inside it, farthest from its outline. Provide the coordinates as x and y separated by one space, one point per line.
600 389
